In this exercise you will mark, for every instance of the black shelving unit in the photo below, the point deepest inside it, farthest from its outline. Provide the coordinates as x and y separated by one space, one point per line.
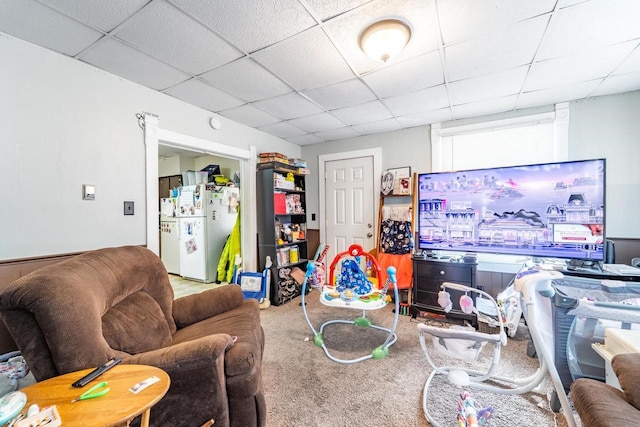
282 227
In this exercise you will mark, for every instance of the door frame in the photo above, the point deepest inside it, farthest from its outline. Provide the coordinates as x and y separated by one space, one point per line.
154 136
376 153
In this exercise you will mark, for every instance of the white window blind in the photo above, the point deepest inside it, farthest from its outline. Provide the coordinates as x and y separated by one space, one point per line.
521 140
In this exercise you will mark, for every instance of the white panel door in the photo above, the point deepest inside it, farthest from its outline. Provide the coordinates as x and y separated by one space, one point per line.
349 205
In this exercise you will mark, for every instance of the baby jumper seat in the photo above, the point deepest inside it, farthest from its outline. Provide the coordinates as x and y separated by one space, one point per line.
352 288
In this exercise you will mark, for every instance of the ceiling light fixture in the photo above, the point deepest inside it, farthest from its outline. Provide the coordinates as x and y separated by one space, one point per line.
385 39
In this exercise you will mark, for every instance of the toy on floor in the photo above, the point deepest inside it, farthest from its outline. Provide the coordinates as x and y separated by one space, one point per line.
470 413
254 284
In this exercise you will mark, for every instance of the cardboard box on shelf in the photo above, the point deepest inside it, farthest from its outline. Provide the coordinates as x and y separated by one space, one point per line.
273 157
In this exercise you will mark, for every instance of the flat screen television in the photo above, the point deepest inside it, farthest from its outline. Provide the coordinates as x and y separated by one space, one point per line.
551 210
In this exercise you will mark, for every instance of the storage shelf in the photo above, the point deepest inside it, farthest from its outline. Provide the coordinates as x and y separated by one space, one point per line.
294 243
287 190
270 223
293 264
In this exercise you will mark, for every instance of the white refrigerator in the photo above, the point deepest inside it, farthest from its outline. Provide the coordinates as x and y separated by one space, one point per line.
169 239
206 216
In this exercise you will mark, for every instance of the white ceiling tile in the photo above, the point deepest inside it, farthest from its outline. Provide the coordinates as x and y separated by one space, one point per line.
496 85
168 34
246 80
324 9
420 14
618 83
566 3
303 78
590 24
507 48
631 63
426 118
378 127
363 113
104 15
463 19
116 58
421 101
317 123
289 106
343 94
577 68
482 108
335 134
248 24
204 96
555 95
282 130
407 76
45 27
305 139
306 61
249 116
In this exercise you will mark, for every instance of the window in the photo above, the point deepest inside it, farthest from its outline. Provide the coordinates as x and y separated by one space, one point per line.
538 138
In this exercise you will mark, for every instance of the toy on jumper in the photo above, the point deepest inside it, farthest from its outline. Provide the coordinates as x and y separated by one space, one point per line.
349 290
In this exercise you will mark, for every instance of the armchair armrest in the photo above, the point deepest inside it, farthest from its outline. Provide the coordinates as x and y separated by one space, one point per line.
627 369
194 308
208 347
198 382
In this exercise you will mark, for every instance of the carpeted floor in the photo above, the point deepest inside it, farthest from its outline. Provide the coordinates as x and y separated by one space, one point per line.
305 388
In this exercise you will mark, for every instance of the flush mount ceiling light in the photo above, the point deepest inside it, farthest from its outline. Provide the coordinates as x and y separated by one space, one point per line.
385 39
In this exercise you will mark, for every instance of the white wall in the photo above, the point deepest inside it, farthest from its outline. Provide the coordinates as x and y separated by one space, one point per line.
408 147
64 123
168 166
609 127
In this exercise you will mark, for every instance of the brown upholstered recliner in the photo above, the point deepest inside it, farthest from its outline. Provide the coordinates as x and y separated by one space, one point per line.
118 302
601 405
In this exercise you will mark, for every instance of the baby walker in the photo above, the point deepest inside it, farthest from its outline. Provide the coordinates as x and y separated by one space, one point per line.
466 343
352 289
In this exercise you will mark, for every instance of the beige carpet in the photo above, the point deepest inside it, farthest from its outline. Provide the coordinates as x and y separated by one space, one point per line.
305 388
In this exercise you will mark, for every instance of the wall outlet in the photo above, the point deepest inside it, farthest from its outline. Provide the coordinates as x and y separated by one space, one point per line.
128 208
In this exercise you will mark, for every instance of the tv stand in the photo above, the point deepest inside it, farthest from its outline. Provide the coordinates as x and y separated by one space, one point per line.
429 274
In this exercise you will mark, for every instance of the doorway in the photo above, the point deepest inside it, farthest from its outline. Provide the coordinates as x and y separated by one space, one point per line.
155 137
349 194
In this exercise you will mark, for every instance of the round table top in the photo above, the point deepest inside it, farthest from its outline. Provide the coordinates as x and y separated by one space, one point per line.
115 408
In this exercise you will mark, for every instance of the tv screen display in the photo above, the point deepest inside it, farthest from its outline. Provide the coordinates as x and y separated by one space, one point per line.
554 210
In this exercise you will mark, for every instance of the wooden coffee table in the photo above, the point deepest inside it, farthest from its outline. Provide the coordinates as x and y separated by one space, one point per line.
116 408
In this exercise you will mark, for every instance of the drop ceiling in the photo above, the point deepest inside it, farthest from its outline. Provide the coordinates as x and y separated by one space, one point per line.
293 68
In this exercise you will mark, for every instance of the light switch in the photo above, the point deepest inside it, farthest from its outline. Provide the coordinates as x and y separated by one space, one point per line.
88 192
128 208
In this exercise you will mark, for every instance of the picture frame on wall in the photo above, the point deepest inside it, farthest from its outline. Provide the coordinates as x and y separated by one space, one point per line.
401 181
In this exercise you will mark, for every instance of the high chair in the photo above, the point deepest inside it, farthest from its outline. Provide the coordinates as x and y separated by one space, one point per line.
341 294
